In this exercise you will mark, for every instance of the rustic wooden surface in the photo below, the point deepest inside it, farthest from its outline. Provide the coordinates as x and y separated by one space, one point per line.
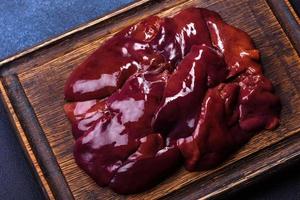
288 19
34 96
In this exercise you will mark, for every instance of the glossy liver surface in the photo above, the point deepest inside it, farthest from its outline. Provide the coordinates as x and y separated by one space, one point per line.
187 89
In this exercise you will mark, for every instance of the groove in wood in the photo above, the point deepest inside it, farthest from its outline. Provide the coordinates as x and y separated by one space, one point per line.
36 138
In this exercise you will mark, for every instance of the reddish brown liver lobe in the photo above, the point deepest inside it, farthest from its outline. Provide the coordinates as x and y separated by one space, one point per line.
166 91
202 68
137 48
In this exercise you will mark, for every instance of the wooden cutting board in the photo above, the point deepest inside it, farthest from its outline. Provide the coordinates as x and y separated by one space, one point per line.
32 88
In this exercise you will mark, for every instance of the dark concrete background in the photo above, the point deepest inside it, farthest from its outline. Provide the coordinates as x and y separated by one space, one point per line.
24 23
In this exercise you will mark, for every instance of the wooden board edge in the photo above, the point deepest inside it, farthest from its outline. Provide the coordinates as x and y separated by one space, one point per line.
34 134
22 139
132 6
246 171
288 20
292 10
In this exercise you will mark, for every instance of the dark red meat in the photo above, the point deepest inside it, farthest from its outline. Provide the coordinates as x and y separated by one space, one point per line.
203 67
166 91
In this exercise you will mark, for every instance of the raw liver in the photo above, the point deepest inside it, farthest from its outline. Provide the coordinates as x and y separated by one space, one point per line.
165 92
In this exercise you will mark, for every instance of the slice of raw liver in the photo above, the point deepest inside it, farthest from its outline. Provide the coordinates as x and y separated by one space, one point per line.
152 162
150 43
116 134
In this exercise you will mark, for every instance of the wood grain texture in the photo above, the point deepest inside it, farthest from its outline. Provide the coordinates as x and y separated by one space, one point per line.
40 77
288 19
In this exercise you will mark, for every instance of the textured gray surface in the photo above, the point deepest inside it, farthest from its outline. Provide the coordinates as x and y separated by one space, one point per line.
16 179
24 23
